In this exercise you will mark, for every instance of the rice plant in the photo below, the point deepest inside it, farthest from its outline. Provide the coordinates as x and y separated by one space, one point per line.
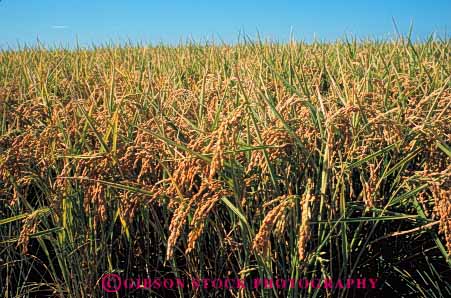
254 160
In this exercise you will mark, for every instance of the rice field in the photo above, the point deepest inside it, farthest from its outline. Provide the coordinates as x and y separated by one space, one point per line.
255 160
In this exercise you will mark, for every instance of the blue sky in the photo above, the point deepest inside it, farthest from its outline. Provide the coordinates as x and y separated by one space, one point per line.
62 22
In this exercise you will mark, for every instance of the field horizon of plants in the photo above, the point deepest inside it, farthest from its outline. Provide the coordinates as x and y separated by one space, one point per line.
260 159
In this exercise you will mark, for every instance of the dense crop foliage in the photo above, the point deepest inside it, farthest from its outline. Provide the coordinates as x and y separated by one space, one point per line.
258 159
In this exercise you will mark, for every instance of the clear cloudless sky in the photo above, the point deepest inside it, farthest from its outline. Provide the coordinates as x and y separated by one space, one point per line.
63 22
